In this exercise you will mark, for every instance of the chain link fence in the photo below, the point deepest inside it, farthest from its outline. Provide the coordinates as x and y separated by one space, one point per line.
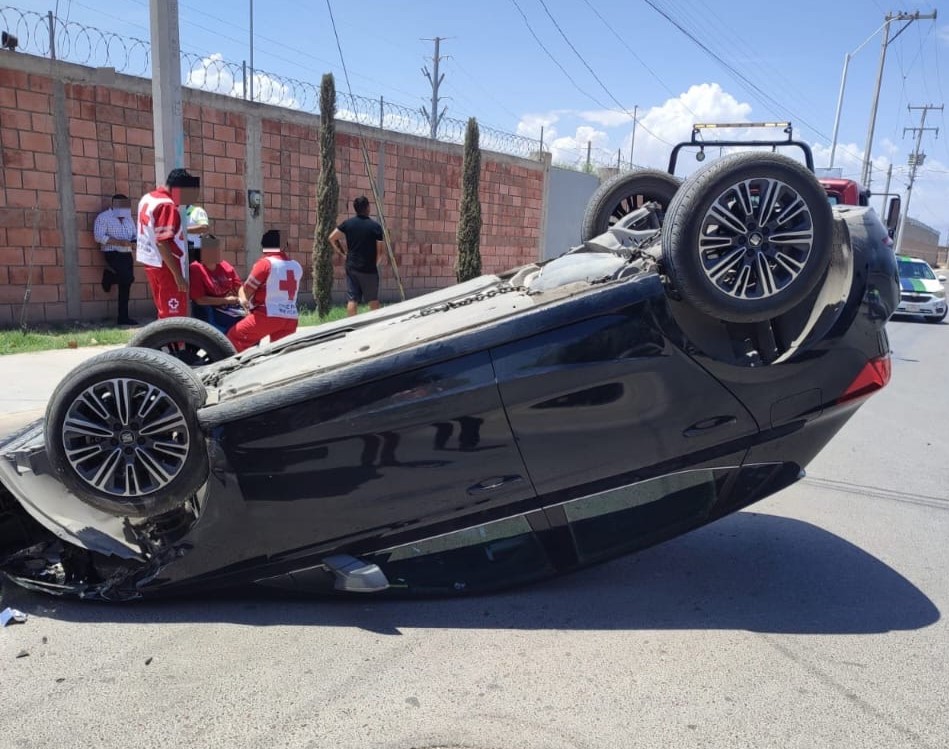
51 37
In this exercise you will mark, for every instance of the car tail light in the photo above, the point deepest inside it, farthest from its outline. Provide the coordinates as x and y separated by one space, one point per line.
874 376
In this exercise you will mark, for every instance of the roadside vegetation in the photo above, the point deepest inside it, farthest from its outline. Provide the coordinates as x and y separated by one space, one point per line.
82 335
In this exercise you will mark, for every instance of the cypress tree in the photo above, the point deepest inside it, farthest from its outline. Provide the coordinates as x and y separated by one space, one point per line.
327 199
469 220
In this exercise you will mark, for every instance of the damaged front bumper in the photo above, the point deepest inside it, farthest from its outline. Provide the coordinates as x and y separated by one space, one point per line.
52 542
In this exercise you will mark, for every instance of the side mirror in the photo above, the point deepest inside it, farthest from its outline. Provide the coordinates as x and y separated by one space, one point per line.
893 214
941 279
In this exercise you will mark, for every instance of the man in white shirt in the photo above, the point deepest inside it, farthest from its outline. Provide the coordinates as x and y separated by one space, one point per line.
115 231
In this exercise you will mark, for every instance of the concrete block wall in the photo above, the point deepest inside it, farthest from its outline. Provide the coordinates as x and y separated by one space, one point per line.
72 136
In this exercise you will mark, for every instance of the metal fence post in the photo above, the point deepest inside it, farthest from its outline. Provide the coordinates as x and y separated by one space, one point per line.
589 143
244 77
52 35
382 113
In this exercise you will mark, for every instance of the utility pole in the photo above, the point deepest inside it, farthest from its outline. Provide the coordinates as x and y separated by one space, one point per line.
434 116
886 190
915 161
632 142
251 87
840 96
167 117
890 17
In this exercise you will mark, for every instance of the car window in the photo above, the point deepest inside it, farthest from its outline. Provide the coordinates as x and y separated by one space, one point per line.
915 269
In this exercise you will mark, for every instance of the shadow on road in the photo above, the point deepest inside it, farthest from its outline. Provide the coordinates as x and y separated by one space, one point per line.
750 571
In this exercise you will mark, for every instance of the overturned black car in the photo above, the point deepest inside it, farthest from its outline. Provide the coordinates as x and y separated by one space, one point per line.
687 361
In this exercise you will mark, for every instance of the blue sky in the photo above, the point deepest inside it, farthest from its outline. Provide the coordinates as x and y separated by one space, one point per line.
611 55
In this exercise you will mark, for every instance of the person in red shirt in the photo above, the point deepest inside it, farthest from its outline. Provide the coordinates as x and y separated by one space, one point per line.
213 287
160 244
270 296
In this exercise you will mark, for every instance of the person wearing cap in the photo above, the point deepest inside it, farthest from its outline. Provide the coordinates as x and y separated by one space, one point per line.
214 286
114 231
269 295
161 245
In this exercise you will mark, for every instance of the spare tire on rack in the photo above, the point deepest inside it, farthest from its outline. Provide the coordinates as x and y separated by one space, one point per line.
122 432
622 195
192 341
747 237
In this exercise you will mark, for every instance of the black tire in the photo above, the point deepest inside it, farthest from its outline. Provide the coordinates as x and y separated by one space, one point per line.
742 274
122 432
623 194
936 320
192 341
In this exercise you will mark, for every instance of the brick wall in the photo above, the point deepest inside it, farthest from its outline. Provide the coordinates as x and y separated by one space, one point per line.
93 129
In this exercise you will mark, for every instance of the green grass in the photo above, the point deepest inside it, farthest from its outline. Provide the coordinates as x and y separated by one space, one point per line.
20 342
81 335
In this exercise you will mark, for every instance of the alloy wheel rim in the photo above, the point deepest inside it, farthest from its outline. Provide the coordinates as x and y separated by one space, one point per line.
630 203
126 437
756 239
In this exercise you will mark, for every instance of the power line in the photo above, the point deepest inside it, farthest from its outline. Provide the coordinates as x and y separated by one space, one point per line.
478 83
766 98
640 60
365 155
555 60
596 77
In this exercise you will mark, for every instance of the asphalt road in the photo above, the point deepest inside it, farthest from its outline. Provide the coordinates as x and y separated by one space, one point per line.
815 620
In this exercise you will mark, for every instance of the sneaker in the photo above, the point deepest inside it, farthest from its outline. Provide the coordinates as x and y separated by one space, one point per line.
108 278
126 323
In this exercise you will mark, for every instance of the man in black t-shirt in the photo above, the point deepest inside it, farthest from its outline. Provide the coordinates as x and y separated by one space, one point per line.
359 239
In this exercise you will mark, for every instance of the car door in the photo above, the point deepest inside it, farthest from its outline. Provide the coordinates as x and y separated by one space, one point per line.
415 448
606 401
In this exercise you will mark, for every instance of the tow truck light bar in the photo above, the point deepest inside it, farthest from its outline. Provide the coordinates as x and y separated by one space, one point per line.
713 125
699 142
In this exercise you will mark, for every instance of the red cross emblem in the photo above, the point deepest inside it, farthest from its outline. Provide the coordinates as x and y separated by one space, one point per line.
289 284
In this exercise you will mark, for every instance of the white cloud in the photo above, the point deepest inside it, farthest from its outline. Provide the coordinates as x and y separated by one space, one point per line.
533 125
268 90
671 122
572 149
217 76
607 117
212 74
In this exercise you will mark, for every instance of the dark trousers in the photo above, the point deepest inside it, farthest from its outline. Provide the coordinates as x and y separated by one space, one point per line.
121 264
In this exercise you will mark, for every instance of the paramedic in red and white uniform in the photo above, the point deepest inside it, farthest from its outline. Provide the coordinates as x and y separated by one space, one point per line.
270 296
161 244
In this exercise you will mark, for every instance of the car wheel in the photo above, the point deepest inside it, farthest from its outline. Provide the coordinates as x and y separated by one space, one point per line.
122 432
936 320
748 237
625 193
192 341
